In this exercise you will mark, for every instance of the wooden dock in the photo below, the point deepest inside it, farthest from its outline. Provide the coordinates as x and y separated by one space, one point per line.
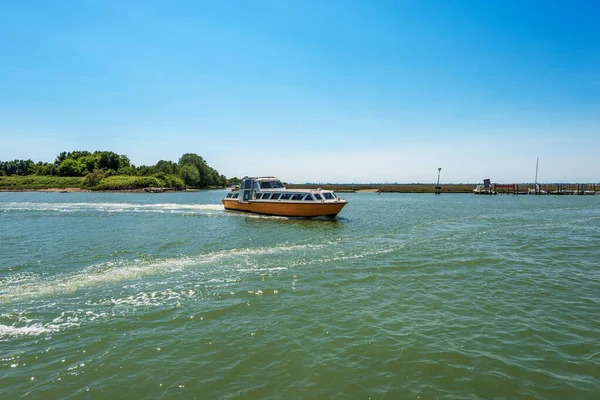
547 188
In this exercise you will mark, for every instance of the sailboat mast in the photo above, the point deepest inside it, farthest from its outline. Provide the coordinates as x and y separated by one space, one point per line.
537 163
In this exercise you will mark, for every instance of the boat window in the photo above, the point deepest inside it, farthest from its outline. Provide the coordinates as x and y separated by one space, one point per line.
275 196
229 195
265 185
328 196
247 184
318 196
334 195
277 185
266 196
308 198
235 195
285 196
297 196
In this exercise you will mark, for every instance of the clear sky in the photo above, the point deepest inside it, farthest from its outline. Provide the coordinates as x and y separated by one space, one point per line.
320 91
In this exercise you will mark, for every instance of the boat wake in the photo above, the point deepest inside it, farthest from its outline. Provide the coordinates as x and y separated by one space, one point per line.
110 207
43 304
229 262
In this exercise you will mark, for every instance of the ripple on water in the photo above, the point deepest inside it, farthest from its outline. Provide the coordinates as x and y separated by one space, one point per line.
420 296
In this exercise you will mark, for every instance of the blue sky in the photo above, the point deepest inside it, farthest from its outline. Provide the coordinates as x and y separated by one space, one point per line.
338 91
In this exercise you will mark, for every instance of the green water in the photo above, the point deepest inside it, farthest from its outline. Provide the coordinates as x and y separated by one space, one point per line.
403 296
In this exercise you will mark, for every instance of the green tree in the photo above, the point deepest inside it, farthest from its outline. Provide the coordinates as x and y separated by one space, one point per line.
125 162
18 167
189 174
199 163
126 170
61 157
71 167
235 181
47 169
145 170
90 161
109 160
168 167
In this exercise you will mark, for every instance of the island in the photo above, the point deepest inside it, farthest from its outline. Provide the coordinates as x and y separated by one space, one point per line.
108 171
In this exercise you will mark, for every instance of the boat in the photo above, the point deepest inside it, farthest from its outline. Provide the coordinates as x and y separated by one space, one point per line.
268 196
486 188
480 189
536 190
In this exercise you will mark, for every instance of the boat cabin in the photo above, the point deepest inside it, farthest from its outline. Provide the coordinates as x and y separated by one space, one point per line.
271 189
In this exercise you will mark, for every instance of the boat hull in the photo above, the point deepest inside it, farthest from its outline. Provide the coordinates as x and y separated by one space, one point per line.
287 209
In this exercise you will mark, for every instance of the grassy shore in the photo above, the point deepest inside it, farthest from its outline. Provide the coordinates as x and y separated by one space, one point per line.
40 182
157 184
400 188
68 184
154 184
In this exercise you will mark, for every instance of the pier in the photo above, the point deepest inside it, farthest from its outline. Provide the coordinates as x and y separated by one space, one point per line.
546 188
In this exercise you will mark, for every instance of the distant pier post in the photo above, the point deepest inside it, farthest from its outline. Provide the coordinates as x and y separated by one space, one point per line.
438 188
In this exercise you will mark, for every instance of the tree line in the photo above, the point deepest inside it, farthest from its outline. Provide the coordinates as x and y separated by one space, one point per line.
191 169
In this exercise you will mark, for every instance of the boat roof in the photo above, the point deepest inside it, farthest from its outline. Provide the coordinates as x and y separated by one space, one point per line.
262 178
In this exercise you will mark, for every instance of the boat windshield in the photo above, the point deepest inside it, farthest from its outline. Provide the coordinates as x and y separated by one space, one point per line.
271 185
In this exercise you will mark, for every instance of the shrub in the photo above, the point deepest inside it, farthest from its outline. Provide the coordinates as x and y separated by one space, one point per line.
40 182
94 177
173 181
128 182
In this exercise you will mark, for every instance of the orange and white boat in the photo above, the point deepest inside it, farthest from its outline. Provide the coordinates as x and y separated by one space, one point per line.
268 196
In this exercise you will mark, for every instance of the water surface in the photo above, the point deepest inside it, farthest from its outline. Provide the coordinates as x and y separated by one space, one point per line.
106 295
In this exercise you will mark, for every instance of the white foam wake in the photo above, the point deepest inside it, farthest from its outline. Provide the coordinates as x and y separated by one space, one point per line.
108 207
123 270
32 330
